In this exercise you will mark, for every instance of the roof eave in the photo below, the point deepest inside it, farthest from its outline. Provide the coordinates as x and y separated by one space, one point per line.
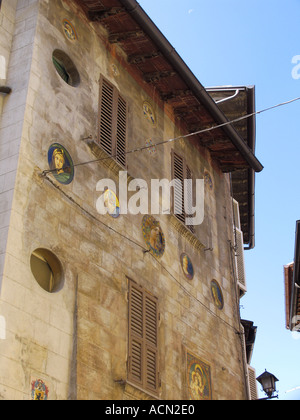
140 16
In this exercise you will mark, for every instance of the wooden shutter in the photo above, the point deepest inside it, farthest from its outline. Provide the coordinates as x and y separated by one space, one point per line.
239 250
180 172
136 334
106 116
143 338
121 131
151 328
112 133
178 176
252 383
190 198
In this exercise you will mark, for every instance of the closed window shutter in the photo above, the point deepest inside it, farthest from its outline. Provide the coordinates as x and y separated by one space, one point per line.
136 334
180 172
190 198
121 131
178 176
252 383
112 122
239 251
151 321
106 116
143 337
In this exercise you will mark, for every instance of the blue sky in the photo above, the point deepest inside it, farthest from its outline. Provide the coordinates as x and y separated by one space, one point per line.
253 42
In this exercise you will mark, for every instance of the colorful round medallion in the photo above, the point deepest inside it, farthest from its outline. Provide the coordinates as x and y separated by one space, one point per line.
149 113
208 180
153 236
69 30
115 70
111 202
217 294
187 266
61 164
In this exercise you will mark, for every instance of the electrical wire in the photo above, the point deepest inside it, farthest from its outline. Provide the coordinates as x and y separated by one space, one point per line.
144 250
206 130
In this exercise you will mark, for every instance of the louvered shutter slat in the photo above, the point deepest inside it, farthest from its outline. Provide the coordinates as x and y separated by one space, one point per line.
136 334
136 360
240 262
106 117
252 383
121 131
178 172
143 336
190 199
151 369
113 112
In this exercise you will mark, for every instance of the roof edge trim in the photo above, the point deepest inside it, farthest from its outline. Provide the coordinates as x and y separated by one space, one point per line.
140 16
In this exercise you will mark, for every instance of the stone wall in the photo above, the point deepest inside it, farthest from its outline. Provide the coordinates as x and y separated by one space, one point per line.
76 340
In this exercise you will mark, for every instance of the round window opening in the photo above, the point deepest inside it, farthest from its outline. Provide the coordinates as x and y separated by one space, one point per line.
65 68
47 270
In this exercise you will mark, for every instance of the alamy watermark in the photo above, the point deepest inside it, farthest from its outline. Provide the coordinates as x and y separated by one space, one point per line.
296 68
160 197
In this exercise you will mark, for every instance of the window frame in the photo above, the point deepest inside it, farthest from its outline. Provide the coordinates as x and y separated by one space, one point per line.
186 174
112 122
147 340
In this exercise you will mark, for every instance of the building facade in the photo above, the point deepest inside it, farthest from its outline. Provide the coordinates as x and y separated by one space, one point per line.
118 305
292 286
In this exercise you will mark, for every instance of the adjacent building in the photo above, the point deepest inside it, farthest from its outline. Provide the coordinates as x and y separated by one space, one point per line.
139 303
292 287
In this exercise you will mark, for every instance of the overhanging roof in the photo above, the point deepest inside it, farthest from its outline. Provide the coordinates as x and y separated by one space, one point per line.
156 62
153 57
235 102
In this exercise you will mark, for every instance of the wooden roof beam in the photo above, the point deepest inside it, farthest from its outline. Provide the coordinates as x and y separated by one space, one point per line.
157 76
124 36
99 15
142 58
175 94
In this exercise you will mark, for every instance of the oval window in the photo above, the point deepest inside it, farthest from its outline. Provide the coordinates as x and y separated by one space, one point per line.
65 68
47 270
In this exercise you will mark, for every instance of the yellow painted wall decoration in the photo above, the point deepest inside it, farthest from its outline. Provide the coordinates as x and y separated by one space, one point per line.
198 378
153 236
149 113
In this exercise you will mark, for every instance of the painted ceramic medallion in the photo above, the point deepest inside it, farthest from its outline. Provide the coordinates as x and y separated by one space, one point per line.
208 180
60 162
149 113
198 378
111 202
153 236
187 266
39 390
69 30
217 294
151 149
115 70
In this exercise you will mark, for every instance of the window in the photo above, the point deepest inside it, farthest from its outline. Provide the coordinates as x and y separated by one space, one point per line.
112 135
180 172
143 339
65 68
47 270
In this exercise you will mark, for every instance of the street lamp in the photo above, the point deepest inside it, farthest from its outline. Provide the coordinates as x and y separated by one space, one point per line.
268 382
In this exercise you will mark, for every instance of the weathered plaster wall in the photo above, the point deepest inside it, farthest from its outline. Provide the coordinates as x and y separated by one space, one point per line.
18 19
76 340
